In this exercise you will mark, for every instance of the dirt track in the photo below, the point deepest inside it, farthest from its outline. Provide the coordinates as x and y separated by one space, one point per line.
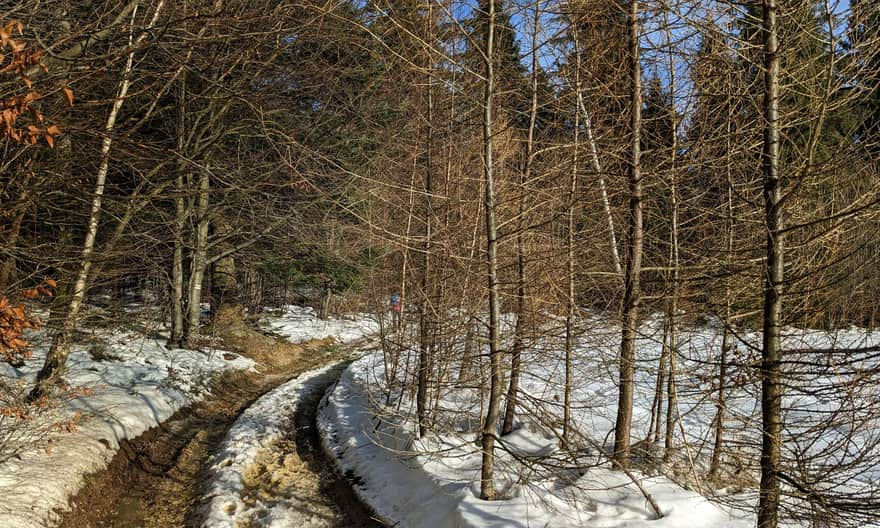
156 479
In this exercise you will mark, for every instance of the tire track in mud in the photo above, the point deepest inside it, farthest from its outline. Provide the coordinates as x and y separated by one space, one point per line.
155 480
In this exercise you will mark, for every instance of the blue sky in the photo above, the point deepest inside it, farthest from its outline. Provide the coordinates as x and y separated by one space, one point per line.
654 63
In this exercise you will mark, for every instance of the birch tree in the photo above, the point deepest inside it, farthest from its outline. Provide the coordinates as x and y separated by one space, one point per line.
60 347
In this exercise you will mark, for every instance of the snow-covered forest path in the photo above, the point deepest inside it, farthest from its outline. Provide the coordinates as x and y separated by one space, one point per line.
157 480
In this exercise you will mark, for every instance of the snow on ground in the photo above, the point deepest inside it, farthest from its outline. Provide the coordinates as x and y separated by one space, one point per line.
430 482
299 323
439 487
253 434
401 492
137 384
435 481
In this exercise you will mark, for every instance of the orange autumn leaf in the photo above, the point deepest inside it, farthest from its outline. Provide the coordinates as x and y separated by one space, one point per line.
68 94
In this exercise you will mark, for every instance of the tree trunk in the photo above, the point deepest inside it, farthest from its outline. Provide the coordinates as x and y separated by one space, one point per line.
603 191
632 292
467 355
670 390
199 260
657 405
56 358
570 257
525 176
487 482
225 295
406 249
672 306
7 268
426 319
717 447
326 293
515 364
177 294
771 385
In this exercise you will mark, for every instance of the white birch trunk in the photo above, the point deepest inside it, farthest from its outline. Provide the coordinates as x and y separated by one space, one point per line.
60 347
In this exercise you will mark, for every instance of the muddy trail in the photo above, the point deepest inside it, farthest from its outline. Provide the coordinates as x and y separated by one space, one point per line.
298 473
156 479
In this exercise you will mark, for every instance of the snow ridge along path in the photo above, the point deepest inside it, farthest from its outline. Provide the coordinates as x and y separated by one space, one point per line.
396 488
235 466
269 473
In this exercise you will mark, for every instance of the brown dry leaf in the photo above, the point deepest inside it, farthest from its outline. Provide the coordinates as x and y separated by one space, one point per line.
68 94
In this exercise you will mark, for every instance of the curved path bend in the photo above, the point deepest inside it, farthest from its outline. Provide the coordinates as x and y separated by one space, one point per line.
156 480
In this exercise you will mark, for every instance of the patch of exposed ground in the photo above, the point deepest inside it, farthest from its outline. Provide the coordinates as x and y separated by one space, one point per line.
155 479
280 474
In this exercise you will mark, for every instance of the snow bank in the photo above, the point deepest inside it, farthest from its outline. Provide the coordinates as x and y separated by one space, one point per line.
137 384
439 486
300 323
435 481
398 489
258 428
